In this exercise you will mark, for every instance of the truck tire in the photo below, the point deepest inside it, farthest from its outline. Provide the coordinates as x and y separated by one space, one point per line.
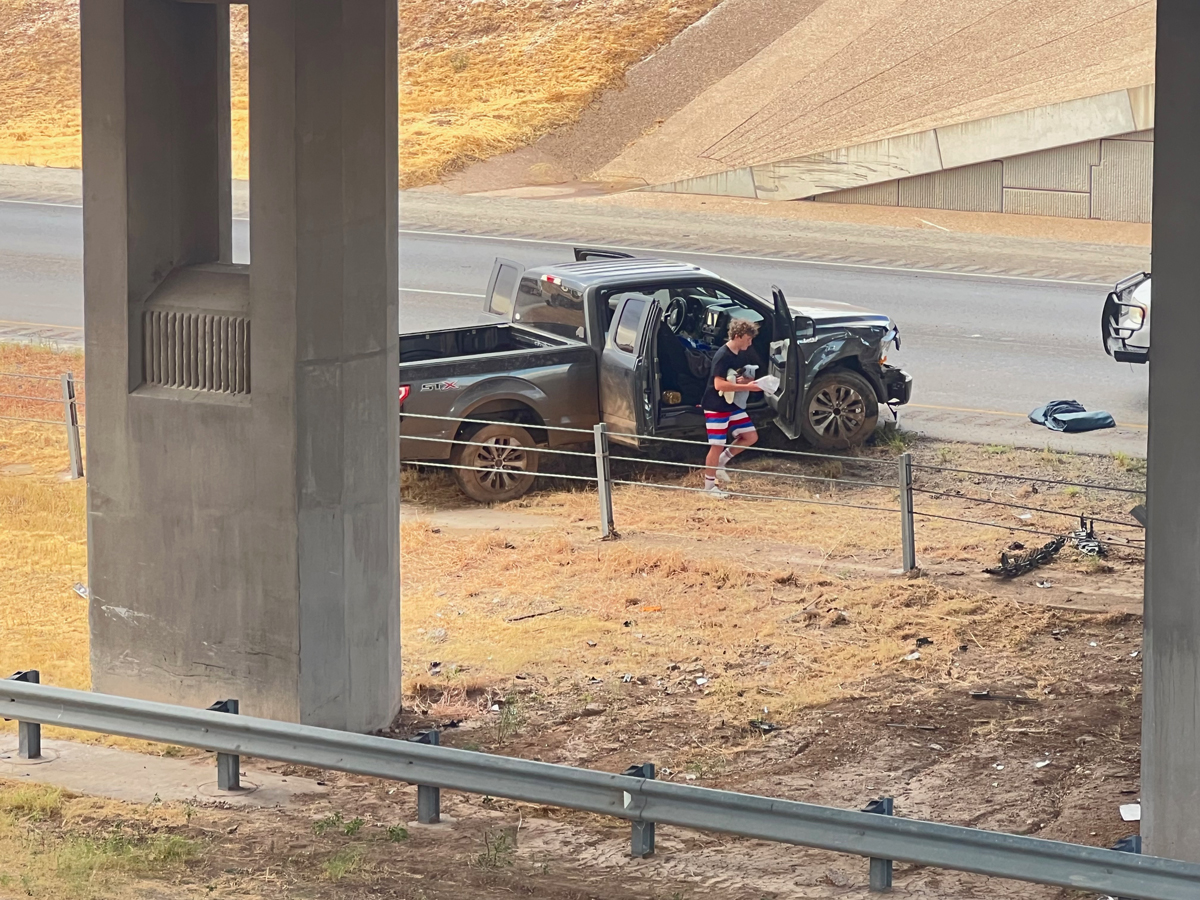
499 471
840 411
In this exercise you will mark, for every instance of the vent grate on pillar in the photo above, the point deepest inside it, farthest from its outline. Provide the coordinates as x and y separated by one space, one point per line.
197 351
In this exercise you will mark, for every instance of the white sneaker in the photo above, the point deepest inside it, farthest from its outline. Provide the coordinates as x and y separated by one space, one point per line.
714 491
723 475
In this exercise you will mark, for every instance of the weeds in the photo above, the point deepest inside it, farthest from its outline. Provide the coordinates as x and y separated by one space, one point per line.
344 862
894 438
397 833
498 850
510 719
34 802
81 858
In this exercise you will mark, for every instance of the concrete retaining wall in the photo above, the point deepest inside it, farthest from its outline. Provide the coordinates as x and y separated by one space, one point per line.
1085 158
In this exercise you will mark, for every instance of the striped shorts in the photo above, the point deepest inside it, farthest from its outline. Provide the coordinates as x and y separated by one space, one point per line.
721 424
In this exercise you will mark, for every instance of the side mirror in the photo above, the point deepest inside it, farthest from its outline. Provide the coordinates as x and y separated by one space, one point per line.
804 327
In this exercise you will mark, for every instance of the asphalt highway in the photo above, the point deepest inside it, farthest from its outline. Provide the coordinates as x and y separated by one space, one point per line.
983 350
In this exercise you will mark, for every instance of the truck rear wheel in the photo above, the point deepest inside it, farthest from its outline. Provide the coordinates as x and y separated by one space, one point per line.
499 463
840 411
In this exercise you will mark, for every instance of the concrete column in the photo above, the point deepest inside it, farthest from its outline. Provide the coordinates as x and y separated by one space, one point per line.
1171 701
242 442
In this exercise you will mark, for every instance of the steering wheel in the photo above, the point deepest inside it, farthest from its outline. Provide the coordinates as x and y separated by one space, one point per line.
676 313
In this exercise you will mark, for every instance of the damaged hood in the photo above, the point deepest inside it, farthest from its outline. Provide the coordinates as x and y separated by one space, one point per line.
828 314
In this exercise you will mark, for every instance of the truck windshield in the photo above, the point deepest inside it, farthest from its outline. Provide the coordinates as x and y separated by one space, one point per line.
551 308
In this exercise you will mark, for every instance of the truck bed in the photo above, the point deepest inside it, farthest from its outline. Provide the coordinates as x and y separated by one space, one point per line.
479 340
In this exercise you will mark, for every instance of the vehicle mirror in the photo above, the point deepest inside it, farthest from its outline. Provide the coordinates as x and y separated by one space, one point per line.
805 327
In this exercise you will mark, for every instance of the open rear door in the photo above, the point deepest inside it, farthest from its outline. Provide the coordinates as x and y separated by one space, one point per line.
787 366
627 374
502 287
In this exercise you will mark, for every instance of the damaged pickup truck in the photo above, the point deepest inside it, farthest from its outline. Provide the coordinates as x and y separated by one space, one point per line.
629 341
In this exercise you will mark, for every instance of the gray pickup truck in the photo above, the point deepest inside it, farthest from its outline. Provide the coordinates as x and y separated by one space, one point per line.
628 341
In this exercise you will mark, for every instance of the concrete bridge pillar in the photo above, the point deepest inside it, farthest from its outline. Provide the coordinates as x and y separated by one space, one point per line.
242 420
1171 674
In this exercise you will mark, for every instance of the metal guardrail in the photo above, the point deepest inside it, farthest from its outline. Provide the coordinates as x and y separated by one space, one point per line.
641 800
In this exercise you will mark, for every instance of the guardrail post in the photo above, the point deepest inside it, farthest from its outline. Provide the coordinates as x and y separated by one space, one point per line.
907 536
881 869
641 834
1131 844
71 416
229 776
429 799
604 483
29 734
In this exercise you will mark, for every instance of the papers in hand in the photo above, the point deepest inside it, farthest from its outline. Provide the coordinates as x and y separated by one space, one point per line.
769 384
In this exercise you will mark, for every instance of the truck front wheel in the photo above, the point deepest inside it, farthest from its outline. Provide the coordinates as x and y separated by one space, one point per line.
840 411
498 465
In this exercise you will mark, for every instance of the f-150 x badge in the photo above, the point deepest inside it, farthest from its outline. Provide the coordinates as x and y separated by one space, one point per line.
440 386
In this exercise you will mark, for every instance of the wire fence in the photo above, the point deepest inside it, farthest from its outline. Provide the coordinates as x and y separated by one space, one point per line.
69 399
513 466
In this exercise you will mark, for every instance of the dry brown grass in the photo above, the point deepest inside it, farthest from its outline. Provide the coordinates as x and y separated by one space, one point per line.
476 78
779 638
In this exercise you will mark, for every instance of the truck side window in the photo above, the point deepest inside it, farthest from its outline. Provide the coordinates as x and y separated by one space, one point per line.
550 307
627 328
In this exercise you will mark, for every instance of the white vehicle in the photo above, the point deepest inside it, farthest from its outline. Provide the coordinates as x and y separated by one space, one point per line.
1125 323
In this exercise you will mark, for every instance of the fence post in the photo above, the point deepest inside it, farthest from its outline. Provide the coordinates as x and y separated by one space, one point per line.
604 483
29 734
429 799
229 776
907 536
641 834
881 869
71 416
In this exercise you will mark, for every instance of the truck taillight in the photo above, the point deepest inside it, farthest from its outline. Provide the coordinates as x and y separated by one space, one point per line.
404 391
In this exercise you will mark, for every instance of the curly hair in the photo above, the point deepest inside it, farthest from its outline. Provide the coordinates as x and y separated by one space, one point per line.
739 327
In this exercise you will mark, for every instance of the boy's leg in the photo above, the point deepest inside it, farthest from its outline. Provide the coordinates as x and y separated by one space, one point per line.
717 425
744 435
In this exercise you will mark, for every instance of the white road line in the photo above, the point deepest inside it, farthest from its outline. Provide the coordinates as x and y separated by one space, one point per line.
772 259
43 203
405 290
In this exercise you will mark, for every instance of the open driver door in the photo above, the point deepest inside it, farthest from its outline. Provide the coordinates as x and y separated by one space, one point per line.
787 365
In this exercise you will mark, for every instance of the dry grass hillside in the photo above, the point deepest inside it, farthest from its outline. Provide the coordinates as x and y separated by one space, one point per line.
476 78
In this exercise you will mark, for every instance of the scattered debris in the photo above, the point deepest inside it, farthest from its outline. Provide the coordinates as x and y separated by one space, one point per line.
82 591
1045 583
701 682
938 747
590 643
1139 513
626 678
912 657
763 726
1085 540
917 727
593 709
437 635
534 615
1131 812
1041 764
1070 416
1015 545
924 642
1012 566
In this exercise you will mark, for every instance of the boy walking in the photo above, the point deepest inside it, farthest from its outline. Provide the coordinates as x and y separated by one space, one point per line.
722 417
